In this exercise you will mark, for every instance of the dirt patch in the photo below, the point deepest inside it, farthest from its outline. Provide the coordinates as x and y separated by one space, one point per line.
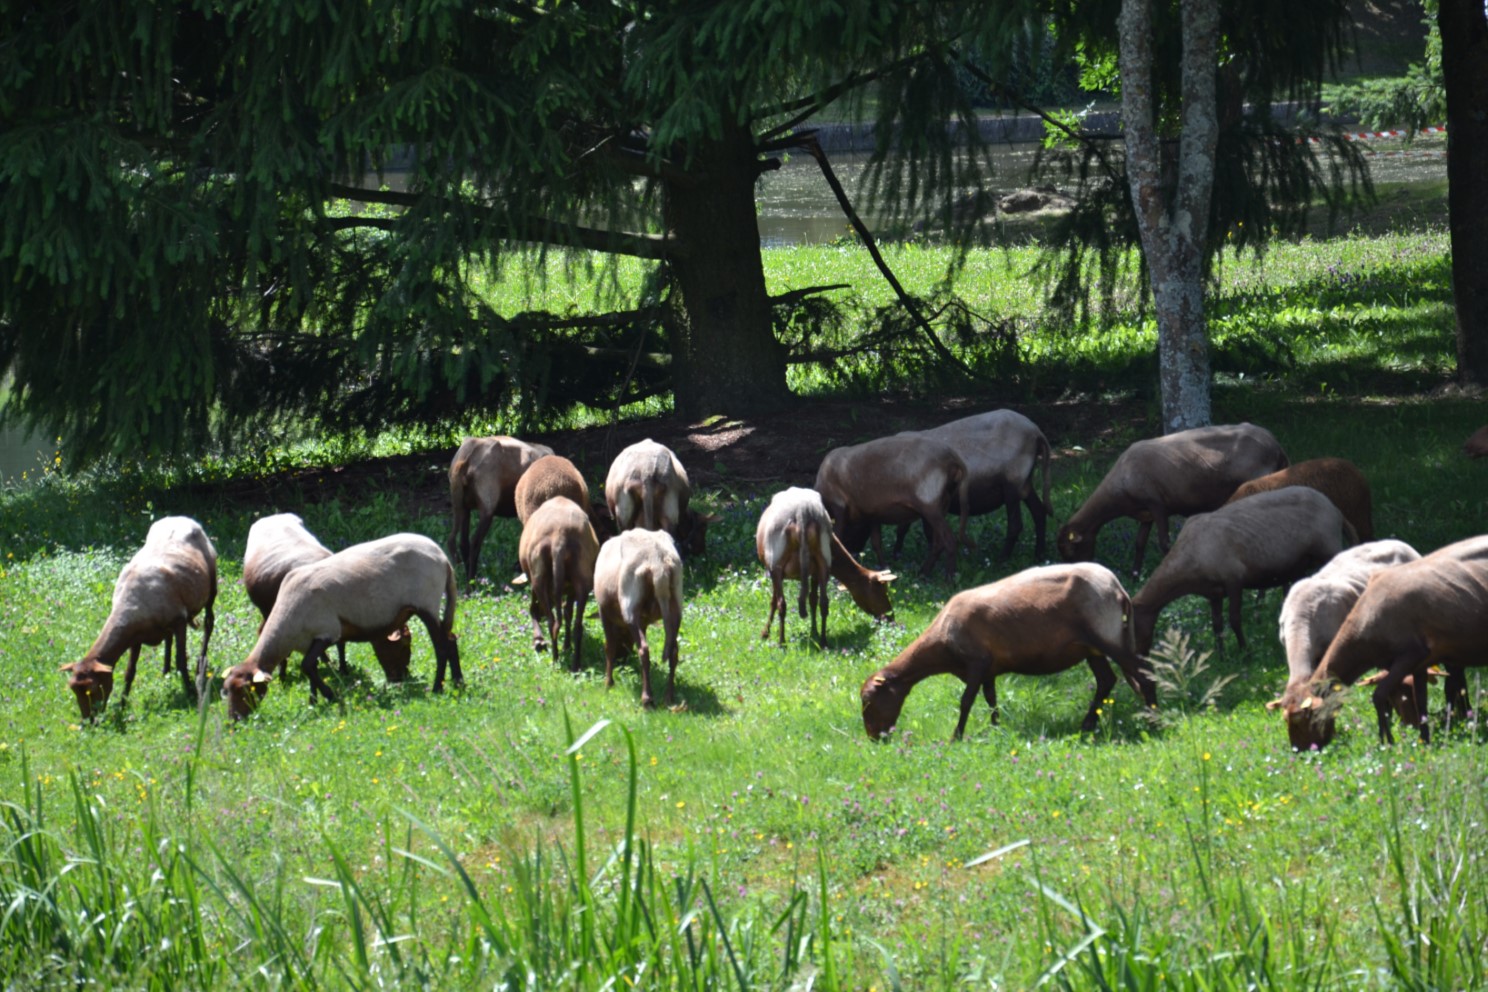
731 456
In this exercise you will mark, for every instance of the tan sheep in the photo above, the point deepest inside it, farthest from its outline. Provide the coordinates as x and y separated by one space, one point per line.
638 581
280 543
1265 541
894 480
161 590
546 478
1316 607
869 589
1036 622
1336 478
483 477
558 551
1192 471
1434 610
794 541
367 591
647 487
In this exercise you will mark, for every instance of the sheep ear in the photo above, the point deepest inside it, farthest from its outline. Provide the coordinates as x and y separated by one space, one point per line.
1374 679
887 576
1307 703
1275 704
879 680
1073 537
520 580
260 677
66 666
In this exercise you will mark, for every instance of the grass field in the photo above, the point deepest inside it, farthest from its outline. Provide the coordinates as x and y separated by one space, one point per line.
755 838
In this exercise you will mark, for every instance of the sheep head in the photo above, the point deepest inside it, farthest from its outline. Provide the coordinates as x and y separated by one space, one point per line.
883 698
692 531
1309 708
394 653
243 686
1076 544
92 683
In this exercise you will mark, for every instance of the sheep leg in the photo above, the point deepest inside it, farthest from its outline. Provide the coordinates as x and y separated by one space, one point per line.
899 532
1419 686
310 665
1105 681
1137 677
1140 545
777 600
819 601
165 664
1014 520
581 604
1235 595
134 654
458 544
968 698
187 682
672 623
989 693
1040 514
875 533
472 555
1456 689
643 653
614 635
209 620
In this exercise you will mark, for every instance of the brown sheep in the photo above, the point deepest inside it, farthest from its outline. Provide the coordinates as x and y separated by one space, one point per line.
868 589
483 477
1036 622
1192 471
170 580
1408 616
558 550
1002 449
366 591
1336 478
549 476
1267 540
280 543
638 581
895 480
1477 445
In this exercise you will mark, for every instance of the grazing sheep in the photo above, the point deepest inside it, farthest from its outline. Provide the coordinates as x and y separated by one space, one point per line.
1267 540
1336 478
1316 607
1036 622
894 480
558 550
367 591
868 589
278 544
549 476
638 581
1001 449
162 589
483 477
1192 471
794 541
647 487
1434 609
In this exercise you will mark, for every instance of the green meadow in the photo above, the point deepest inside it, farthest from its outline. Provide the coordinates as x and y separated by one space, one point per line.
534 830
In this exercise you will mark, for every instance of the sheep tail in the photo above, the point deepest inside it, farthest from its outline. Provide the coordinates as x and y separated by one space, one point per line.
804 540
1044 453
447 620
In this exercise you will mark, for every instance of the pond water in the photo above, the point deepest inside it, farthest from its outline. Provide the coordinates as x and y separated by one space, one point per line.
797 207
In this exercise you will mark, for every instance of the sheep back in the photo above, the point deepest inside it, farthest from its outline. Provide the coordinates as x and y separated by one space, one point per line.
546 478
1336 478
276 545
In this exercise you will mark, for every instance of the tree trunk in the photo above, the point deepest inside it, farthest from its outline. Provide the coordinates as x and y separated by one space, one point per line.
725 357
1464 38
1173 218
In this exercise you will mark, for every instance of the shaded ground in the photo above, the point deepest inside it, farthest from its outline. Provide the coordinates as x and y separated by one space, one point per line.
730 456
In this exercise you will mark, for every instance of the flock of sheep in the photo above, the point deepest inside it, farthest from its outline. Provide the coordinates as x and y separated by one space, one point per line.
1252 521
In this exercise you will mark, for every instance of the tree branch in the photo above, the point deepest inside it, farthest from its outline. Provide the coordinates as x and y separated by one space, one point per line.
866 236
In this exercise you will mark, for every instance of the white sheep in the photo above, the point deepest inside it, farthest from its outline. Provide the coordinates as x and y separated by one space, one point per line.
483 477
158 593
280 543
638 581
794 541
367 591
